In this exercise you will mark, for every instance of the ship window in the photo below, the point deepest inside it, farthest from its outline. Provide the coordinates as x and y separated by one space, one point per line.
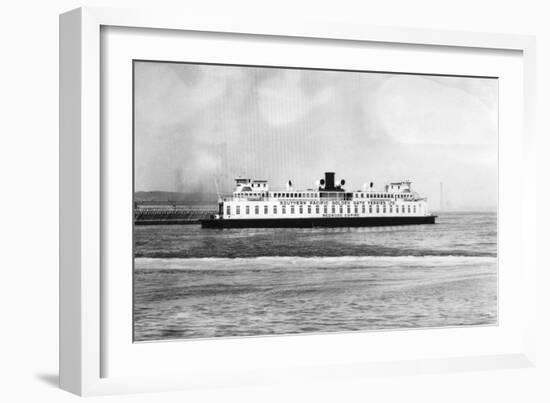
309 209
363 208
349 209
256 209
384 208
247 209
341 208
291 209
317 209
370 209
356 209
274 209
228 210
238 210
391 208
301 209
333 209
408 209
325 209
402 209
265 209
377 208
284 209
414 209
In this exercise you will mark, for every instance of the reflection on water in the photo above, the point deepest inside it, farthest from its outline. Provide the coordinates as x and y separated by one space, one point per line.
191 282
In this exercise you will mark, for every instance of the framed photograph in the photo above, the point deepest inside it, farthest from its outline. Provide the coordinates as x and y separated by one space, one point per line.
250 202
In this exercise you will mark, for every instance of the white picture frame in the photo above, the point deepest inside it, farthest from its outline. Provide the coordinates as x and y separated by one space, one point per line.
83 344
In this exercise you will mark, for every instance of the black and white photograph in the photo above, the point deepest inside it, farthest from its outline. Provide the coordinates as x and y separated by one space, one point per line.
276 200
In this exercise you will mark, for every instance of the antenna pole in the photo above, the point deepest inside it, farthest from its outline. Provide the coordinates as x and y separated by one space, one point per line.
441 200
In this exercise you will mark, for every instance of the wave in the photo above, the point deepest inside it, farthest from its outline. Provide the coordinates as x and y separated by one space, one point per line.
315 253
216 263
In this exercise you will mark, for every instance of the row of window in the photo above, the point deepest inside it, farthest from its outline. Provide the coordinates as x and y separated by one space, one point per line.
250 194
310 195
317 208
384 195
316 195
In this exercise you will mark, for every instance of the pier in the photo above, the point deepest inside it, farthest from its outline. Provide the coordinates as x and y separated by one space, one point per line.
167 213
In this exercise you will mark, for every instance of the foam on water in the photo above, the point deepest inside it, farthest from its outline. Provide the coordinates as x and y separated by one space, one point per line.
267 261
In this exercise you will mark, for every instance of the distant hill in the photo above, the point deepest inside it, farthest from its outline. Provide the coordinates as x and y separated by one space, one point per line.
191 198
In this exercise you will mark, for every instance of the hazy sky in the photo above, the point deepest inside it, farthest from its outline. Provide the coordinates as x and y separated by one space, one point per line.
196 125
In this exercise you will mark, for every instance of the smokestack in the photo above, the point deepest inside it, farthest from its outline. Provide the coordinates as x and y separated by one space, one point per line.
329 180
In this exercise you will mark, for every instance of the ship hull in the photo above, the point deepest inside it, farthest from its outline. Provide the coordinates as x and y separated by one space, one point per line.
317 222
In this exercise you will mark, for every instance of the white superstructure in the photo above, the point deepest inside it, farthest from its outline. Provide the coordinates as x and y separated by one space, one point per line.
252 199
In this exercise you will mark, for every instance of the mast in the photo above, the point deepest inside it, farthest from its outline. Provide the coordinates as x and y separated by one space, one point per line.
441 199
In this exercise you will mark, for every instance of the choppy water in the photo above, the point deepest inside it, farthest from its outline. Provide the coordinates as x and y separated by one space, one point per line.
192 282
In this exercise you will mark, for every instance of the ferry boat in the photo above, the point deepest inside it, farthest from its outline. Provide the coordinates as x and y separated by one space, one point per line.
254 205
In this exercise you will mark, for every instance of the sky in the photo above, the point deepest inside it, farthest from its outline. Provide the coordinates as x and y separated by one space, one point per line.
197 127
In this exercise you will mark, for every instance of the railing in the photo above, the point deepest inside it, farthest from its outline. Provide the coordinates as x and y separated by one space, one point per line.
171 207
320 195
172 214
